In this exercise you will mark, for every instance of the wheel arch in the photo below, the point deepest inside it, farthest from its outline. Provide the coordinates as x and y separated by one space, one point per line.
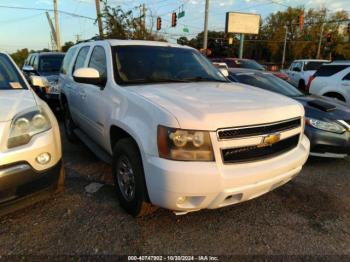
335 94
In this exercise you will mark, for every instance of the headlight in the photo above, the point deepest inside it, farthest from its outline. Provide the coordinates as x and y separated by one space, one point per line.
53 88
185 145
26 125
333 127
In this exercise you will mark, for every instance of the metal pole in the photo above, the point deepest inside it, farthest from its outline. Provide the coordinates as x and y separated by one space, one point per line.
284 47
53 32
241 45
57 26
99 19
320 42
205 40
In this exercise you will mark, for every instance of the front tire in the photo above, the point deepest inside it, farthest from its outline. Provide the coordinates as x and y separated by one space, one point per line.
69 125
129 179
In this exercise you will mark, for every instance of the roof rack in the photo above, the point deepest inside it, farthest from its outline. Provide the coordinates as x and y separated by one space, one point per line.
94 38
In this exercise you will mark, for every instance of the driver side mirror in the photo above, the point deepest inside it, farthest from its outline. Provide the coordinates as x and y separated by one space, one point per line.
28 69
88 76
224 71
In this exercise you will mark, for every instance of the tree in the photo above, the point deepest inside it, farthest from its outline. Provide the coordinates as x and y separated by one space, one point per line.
19 56
268 45
122 24
66 46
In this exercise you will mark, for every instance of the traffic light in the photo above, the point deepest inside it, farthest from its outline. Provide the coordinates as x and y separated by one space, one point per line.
173 19
329 38
301 21
159 23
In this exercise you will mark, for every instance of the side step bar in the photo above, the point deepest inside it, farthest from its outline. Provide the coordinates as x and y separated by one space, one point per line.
96 149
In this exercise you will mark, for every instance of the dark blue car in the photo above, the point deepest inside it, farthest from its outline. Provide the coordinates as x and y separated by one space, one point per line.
327 121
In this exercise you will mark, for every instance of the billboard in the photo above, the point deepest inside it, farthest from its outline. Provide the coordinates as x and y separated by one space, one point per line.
242 23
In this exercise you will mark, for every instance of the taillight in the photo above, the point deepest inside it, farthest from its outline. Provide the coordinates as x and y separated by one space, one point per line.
309 82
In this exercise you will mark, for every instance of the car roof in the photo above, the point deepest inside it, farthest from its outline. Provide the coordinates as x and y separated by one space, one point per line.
237 70
49 53
121 42
340 62
311 60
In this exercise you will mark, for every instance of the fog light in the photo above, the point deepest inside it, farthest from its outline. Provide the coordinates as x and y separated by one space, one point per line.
181 200
43 158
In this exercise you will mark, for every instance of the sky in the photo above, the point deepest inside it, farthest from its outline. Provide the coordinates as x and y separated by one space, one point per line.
30 28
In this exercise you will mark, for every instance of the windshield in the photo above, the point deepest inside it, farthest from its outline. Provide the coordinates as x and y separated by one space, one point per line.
312 66
50 63
250 64
268 82
9 76
157 64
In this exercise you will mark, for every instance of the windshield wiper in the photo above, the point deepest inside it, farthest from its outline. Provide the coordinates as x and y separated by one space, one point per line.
203 79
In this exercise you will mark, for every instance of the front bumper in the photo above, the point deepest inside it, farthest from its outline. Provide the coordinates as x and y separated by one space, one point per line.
327 144
189 186
21 185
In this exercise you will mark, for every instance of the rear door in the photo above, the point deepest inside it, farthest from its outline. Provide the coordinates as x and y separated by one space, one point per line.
345 85
94 100
295 73
75 89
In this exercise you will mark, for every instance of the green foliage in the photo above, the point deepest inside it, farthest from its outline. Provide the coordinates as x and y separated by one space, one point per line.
19 56
66 46
268 46
121 24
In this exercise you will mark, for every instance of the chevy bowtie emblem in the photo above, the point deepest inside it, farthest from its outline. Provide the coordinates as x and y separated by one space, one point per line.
270 139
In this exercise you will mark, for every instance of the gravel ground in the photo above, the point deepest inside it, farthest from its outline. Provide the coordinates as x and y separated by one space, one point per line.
308 216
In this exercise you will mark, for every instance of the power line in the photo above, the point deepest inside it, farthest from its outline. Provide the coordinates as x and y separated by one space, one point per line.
47 10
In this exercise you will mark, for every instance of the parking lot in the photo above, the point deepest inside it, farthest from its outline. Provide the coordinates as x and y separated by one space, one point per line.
309 215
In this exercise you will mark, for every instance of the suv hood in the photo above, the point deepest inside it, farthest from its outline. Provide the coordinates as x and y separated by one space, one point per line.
212 105
13 102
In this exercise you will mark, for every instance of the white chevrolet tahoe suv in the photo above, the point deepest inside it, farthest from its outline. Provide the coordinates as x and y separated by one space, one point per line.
177 133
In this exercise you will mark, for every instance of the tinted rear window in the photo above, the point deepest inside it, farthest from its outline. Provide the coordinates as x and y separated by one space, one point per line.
329 70
50 63
312 66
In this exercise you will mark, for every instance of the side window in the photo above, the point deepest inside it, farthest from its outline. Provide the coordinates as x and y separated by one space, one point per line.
27 61
35 62
297 67
329 70
67 60
291 66
79 62
347 77
30 62
98 61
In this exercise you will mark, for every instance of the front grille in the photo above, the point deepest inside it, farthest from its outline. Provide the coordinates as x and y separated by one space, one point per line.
231 133
253 153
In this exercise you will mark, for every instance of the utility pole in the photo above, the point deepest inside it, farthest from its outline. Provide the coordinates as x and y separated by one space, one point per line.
241 46
53 32
284 47
99 19
77 38
205 40
57 26
320 42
